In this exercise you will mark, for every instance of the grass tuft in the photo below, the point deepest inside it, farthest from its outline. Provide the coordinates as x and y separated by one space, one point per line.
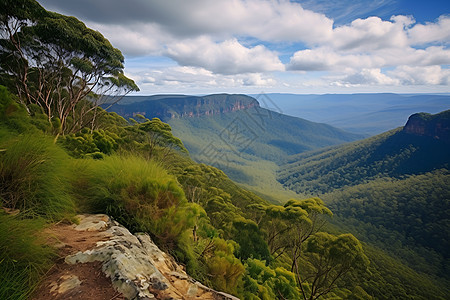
23 256
33 177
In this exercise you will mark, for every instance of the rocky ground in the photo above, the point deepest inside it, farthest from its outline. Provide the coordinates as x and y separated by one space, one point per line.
100 259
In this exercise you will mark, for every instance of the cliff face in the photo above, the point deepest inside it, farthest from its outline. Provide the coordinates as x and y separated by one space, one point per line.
436 126
170 107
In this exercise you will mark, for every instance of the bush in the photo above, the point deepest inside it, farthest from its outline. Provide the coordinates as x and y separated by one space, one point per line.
139 194
33 177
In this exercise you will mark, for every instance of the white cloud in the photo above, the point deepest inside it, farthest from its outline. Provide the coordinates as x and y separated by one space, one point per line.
136 39
267 20
228 57
181 78
257 79
326 59
368 77
371 34
230 43
431 32
431 75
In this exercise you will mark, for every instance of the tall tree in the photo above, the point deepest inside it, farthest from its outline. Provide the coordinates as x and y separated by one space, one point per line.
332 258
55 62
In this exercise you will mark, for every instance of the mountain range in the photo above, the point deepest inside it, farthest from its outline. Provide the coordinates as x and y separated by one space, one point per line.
368 114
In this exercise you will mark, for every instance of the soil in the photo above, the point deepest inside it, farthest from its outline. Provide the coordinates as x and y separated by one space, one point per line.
94 284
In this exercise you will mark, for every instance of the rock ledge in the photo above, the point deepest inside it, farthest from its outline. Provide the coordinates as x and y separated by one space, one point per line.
136 266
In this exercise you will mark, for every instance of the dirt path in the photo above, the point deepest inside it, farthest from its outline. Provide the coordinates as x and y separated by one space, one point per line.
78 281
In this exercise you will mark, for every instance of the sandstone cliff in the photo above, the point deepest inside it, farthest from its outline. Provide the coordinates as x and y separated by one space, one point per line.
436 126
178 106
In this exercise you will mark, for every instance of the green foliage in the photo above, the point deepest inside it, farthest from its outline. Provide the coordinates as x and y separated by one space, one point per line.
90 143
55 61
12 114
263 282
332 258
33 177
250 239
401 215
139 194
388 278
23 257
223 267
154 133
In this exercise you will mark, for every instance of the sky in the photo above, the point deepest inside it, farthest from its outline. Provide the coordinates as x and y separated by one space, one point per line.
254 46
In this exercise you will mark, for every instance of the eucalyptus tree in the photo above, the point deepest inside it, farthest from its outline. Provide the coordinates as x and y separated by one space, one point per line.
56 62
331 258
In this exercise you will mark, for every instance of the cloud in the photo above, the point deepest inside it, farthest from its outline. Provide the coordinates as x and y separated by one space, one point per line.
192 77
228 57
232 43
265 20
431 32
371 34
431 75
257 79
326 59
134 40
368 77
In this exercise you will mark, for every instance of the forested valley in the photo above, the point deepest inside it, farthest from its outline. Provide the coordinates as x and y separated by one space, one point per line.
62 154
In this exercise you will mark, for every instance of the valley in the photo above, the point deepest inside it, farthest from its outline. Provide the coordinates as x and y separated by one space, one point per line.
390 190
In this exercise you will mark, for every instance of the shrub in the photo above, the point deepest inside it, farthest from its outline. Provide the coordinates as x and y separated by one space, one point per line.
33 177
139 194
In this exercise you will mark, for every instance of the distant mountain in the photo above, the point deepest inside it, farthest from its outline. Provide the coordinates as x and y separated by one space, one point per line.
423 145
237 123
167 107
360 113
236 134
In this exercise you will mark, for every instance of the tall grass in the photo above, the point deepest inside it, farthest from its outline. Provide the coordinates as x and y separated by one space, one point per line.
138 193
23 256
34 177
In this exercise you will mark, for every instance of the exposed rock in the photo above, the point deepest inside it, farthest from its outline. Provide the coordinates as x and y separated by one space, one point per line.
436 126
67 283
136 266
168 107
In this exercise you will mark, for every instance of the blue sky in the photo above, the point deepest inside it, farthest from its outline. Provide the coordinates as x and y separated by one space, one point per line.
252 46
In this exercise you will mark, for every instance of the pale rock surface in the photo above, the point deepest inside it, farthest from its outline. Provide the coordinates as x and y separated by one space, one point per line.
136 266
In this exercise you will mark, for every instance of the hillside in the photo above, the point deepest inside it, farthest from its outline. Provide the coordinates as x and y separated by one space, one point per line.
166 107
236 134
369 113
392 190
421 146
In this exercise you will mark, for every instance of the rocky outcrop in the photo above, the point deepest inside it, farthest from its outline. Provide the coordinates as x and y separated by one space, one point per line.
178 106
137 268
436 126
